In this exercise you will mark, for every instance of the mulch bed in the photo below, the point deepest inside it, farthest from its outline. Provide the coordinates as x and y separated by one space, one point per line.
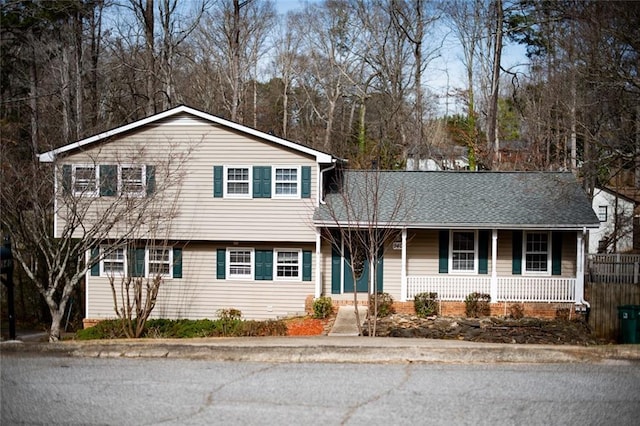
308 326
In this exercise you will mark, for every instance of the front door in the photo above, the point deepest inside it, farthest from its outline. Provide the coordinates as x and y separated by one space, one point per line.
361 267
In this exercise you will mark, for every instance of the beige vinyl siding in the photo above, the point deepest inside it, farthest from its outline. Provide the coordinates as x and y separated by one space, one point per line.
203 217
392 272
199 294
422 252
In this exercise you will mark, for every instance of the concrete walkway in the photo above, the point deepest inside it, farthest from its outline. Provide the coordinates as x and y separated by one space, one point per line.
346 323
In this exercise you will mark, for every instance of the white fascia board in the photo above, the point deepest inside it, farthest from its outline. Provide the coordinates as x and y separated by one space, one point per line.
50 156
334 224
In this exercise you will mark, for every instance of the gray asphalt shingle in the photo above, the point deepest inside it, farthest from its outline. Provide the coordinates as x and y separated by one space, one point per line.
460 198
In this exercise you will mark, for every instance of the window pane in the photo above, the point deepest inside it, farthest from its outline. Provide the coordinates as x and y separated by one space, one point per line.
288 264
286 181
85 179
237 181
132 181
240 262
537 252
113 262
463 251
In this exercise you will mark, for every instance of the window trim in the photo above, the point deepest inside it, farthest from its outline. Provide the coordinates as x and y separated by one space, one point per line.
147 261
124 262
275 264
96 174
298 182
143 187
606 213
474 271
252 264
225 181
526 271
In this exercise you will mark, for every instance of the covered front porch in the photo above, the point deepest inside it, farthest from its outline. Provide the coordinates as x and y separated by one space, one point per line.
501 284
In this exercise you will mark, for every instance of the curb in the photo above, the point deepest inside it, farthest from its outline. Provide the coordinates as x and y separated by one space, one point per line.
356 350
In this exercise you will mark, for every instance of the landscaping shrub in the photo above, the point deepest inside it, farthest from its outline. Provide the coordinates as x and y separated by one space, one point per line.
322 307
384 302
229 325
107 329
426 304
477 305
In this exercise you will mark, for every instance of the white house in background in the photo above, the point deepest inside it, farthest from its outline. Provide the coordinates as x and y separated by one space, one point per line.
615 211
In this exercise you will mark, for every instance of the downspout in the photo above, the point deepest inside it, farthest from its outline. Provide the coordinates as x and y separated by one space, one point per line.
321 183
580 270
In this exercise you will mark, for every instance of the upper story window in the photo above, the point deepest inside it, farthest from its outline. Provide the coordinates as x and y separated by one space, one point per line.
537 253
238 182
463 251
240 263
286 182
132 180
288 264
108 180
113 263
85 180
602 213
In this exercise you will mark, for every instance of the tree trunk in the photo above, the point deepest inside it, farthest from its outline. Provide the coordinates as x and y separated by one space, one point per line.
493 144
150 54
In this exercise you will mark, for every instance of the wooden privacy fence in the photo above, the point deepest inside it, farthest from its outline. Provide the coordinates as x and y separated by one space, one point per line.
614 268
612 281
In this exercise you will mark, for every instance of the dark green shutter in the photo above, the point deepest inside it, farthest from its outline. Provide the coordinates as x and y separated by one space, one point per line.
218 179
108 180
262 182
443 251
483 251
516 253
177 262
150 179
136 262
335 270
306 265
95 262
221 256
556 253
306 182
66 178
263 265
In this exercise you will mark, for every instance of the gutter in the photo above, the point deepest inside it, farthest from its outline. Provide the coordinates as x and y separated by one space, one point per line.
328 169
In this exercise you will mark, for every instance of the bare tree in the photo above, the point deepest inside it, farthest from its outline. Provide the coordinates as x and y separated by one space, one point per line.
364 216
56 215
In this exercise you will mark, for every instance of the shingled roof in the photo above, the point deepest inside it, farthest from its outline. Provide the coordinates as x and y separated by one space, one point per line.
459 199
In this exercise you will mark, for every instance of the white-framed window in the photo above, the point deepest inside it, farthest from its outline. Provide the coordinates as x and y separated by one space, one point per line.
463 249
237 181
159 261
240 263
131 180
288 264
286 182
602 213
537 252
85 179
113 262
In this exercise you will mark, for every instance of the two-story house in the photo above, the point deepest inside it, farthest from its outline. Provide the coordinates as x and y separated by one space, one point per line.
250 212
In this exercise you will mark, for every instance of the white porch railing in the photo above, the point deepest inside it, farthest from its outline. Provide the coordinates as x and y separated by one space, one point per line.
542 289
510 289
448 288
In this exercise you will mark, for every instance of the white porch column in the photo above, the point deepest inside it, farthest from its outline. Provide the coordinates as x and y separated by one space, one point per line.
494 266
318 291
403 267
579 294
87 277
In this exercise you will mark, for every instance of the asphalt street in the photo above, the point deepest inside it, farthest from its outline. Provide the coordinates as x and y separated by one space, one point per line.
45 389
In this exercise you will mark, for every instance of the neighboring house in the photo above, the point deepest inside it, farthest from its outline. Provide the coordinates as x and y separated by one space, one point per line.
254 211
615 212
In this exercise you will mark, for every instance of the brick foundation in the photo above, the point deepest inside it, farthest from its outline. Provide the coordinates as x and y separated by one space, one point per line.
90 322
500 309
